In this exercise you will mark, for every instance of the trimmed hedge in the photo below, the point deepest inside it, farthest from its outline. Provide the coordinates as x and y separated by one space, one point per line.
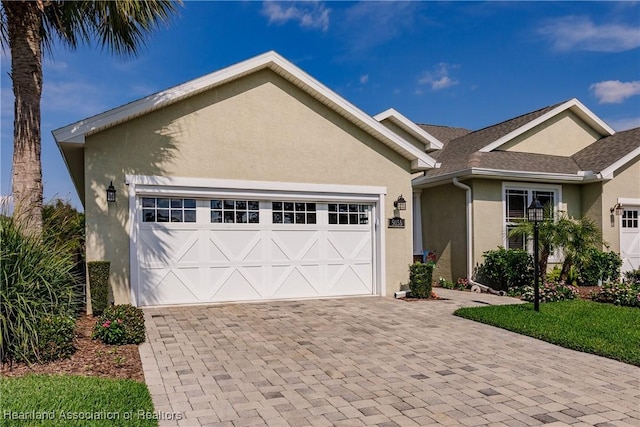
99 285
55 337
420 276
506 268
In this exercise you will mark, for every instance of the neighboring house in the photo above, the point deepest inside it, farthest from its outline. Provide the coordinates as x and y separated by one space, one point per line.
562 154
253 182
258 182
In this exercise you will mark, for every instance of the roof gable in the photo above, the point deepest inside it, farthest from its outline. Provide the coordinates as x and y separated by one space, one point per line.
391 115
532 120
75 133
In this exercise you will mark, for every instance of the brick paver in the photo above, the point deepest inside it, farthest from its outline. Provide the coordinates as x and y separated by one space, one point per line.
372 361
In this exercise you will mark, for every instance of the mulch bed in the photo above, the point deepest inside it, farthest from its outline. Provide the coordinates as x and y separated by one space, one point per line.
92 358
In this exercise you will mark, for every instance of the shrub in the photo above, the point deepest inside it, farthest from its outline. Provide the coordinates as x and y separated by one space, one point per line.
99 285
36 282
55 337
599 267
420 279
444 283
551 292
632 277
619 294
506 268
120 324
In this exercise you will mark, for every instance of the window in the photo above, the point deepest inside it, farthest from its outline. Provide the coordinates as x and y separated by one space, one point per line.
293 212
517 200
348 213
630 219
166 209
235 211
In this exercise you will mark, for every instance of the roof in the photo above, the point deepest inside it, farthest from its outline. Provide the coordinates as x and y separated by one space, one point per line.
478 152
444 133
431 142
71 136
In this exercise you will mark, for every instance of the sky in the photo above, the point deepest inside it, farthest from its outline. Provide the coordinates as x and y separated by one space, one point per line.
462 64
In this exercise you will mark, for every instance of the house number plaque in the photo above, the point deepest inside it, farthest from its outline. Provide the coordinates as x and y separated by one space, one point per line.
396 222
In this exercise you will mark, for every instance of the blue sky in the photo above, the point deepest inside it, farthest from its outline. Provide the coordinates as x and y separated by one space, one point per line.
466 64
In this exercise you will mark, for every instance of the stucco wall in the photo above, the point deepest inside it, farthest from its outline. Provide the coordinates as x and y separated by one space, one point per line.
625 184
257 128
444 229
488 232
562 135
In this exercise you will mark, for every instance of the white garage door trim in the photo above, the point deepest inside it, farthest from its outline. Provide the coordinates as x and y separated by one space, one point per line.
140 185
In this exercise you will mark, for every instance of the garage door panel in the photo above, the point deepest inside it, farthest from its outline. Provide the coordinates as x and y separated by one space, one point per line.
349 244
238 284
161 285
159 246
295 245
348 280
295 281
235 244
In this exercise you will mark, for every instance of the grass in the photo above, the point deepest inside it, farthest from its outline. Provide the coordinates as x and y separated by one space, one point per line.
55 400
603 329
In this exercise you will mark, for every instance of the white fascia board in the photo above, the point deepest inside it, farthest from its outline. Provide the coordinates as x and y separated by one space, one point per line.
271 60
626 201
609 171
426 181
576 106
410 127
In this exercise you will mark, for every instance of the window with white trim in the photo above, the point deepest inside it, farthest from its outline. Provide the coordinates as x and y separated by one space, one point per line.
293 212
517 200
234 211
168 209
630 219
348 213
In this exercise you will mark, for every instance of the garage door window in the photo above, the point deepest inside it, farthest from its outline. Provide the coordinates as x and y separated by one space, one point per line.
235 211
630 219
167 209
293 212
348 213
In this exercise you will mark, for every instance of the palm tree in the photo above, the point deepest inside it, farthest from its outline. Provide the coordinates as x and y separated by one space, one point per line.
578 237
31 27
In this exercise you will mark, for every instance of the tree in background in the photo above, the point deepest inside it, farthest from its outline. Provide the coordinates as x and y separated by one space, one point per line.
28 28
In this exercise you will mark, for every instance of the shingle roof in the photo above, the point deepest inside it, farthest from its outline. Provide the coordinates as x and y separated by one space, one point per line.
608 150
463 152
444 133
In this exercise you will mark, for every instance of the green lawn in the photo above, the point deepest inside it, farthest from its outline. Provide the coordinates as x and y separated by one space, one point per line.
603 329
56 400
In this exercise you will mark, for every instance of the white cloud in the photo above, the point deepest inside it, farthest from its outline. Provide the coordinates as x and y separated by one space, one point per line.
615 91
364 78
438 78
580 33
307 14
624 124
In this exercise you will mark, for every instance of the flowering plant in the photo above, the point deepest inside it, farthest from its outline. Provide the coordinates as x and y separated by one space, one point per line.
551 292
619 294
109 332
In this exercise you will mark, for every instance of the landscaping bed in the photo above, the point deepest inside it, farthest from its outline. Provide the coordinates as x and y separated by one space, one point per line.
92 358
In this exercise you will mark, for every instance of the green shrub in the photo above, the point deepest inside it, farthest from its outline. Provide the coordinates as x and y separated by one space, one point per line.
626 294
551 292
120 324
599 267
632 277
99 285
420 279
36 282
444 283
506 268
55 337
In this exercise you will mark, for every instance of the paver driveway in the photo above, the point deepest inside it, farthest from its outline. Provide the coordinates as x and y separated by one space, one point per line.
372 361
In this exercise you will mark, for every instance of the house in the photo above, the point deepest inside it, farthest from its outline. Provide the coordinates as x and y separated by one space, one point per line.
258 182
253 182
562 154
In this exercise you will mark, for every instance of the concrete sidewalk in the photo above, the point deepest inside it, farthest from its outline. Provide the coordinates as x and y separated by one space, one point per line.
372 361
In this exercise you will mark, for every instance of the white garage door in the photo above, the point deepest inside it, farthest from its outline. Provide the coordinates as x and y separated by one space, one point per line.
217 249
630 238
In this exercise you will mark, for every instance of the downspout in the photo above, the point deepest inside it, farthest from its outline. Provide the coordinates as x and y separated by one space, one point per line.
467 190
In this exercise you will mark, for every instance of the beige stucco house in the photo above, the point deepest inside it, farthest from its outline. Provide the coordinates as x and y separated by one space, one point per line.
258 182
253 182
562 154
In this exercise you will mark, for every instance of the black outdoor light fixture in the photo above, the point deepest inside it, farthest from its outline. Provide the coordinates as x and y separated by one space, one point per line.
111 193
618 209
535 214
400 204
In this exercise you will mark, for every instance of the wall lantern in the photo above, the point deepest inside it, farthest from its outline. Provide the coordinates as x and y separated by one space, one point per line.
535 214
111 193
400 204
618 209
